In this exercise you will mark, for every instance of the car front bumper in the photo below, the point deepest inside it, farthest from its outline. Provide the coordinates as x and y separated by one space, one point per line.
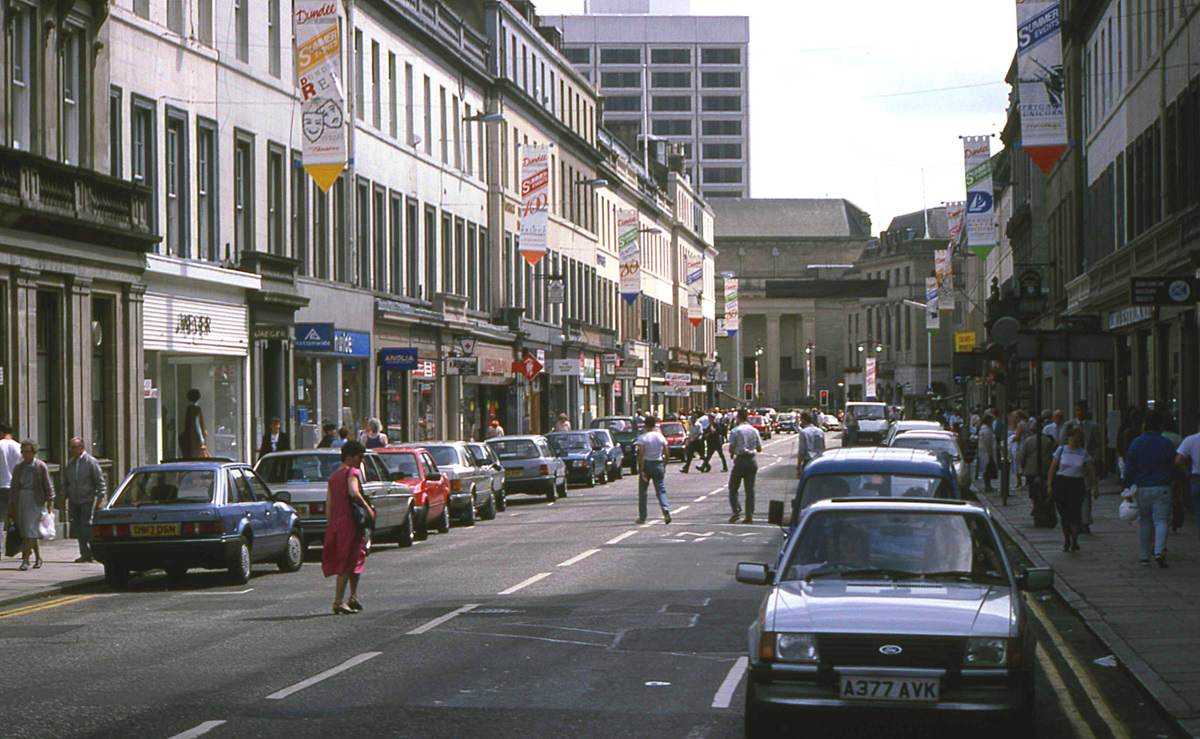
212 552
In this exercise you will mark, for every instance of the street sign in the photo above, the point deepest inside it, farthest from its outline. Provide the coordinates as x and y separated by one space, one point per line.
670 389
611 357
462 366
626 372
678 378
632 362
964 341
1181 290
564 367
528 367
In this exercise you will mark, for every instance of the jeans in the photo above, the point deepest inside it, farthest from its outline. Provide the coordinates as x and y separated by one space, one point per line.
81 524
1194 489
656 470
745 467
1154 514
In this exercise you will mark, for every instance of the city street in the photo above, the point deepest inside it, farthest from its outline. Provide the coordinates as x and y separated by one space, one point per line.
552 620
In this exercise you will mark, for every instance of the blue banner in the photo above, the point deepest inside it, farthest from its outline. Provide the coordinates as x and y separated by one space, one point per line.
352 343
314 337
398 359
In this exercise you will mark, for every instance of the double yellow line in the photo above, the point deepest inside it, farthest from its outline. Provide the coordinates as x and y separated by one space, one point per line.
43 605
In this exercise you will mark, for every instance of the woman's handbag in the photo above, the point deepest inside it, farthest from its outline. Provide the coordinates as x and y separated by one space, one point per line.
12 540
362 519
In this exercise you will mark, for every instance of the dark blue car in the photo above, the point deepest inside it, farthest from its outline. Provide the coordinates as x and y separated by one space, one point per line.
209 514
585 459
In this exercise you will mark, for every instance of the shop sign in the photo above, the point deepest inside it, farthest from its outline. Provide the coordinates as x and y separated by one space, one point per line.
556 292
426 369
352 343
627 372
270 333
1129 316
462 366
964 341
564 367
193 324
495 366
611 357
678 378
398 359
174 323
529 366
314 337
1180 291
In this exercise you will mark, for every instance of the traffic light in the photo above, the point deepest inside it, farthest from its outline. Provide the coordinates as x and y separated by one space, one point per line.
824 398
748 391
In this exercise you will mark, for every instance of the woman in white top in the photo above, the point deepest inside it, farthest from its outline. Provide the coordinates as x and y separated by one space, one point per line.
986 463
1072 472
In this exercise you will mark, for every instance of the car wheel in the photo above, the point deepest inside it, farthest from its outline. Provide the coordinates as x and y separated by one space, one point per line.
293 554
239 567
443 525
421 528
620 472
116 576
489 511
501 501
552 492
405 537
562 489
468 518
175 573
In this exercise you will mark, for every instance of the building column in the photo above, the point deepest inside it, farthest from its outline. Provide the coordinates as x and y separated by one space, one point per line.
24 361
78 404
131 428
768 371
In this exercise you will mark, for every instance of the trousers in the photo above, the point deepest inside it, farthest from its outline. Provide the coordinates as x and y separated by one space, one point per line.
81 524
656 470
745 469
1154 515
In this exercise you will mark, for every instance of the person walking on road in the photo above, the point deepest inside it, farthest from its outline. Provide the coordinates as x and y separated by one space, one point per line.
1034 458
32 495
328 435
714 440
851 424
1091 444
86 490
652 467
1187 458
695 443
374 438
816 437
807 448
494 430
744 446
1150 464
344 554
1072 473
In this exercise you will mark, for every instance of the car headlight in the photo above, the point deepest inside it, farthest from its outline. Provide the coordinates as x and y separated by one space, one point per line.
986 652
788 647
581 463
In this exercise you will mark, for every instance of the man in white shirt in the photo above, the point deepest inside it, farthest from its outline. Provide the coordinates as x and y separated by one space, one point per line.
652 465
10 457
695 442
1187 457
744 446
810 442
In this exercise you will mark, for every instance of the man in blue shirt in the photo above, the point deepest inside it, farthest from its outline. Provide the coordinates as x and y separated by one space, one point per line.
1150 464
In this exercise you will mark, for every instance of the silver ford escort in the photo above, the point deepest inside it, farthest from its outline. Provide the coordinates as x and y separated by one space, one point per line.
892 604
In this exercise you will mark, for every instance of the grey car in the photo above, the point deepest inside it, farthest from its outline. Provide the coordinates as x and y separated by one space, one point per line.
616 457
892 605
486 460
304 475
470 485
530 466
936 441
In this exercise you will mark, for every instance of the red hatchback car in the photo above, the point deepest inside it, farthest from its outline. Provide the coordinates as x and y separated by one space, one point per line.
761 425
431 490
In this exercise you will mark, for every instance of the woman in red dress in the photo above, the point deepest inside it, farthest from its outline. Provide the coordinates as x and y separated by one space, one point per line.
345 550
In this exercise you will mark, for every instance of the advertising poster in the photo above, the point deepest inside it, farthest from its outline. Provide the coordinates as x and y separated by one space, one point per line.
631 254
535 201
932 314
1041 85
695 290
731 306
318 54
981 217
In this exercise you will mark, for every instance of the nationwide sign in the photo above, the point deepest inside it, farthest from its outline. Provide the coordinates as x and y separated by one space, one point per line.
535 201
981 217
628 228
316 28
1040 81
695 290
731 305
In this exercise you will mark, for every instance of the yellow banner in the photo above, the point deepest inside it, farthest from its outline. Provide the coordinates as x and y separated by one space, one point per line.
964 341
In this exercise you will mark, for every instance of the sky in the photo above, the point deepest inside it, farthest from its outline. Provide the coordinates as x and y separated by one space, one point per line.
850 99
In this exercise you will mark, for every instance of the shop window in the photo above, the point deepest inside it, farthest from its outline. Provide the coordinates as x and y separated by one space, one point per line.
49 375
103 337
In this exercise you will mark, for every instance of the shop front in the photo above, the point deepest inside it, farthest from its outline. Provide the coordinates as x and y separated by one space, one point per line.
488 391
333 378
272 318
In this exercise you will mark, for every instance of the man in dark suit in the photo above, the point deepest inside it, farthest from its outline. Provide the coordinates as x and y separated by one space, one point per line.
274 440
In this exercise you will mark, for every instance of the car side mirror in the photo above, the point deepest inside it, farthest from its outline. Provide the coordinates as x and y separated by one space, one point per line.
434 477
282 496
775 512
753 573
1036 579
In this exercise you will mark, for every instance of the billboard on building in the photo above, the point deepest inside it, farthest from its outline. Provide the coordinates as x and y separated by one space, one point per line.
731 305
630 249
535 201
316 28
1041 85
981 206
695 289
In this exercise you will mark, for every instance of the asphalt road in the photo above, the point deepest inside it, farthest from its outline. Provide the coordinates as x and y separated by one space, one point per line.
553 620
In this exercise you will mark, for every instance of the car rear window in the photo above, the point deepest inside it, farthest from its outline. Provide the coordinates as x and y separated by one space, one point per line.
402 464
444 455
672 429
298 468
873 485
573 442
515 449
166 487
908 441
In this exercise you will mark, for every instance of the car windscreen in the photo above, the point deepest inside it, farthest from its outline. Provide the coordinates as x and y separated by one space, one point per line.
298 468
872 485
515 449
614 425
403 464
672 429
166 487
867 412
908 441
570 442
444 455
896 545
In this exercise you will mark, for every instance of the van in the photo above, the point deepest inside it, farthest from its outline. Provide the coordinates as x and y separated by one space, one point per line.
872 421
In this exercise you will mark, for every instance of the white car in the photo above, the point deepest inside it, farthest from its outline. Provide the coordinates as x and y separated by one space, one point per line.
830 422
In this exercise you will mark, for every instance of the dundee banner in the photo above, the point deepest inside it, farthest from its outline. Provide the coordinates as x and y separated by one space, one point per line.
1041 85
981 216
731 305
535 201
318 53
630 250
695 290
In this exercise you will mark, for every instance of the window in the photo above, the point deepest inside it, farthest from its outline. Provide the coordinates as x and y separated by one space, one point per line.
671 103
299 212
392 112
241 15
671 127
243 192
342 267
718 175
204 26
469 145
24 43
379 239
428 101
445 139
460 258
176 184
359 83
721 128
141 8
620 56
409 132
362 233
472 292
578 54
456 120
103 339
412 251
670 56
671 79
722 103
721 79
175 16
720 56
115 120
72 44
276 207
622 103
142 154
207 230
276 55
376 98
722 151
430 256
446 254
620 79
50 352
320 232
395 239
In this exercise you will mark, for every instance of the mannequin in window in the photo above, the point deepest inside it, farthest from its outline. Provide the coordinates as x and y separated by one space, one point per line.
193 440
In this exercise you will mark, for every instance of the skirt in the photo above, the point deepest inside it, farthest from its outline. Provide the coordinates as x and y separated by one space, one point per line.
1069 493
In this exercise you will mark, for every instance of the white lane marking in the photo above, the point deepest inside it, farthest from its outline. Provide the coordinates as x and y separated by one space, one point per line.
651 523
578 558
198 730
724 694
621 537
718 490
321 676
525 583
702 497
430 625
221 592
681 509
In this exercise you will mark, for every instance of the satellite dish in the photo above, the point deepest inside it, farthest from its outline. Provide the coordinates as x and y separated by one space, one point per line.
1005 330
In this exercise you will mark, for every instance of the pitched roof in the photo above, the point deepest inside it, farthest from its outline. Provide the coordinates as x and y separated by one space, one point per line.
789 218
939 228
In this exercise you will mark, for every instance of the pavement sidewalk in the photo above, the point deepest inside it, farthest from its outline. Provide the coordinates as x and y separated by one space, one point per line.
58 572
1148 617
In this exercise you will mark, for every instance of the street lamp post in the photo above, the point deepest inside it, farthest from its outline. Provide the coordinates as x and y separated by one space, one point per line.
928 347
808 383
758 352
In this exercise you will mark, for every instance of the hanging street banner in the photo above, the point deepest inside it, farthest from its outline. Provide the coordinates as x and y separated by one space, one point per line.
535 201
695 290
933 319
956 219
940 269
731 305
317 32
630 250
869 374
1041 85
981 218
945 280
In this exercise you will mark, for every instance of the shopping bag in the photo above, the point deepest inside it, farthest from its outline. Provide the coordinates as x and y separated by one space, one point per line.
47 526
1128 510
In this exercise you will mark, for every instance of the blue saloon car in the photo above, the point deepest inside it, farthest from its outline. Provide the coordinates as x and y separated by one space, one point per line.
530 466
586 460
211 514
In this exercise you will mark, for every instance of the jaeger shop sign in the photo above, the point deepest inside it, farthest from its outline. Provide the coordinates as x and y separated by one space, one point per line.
175 324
